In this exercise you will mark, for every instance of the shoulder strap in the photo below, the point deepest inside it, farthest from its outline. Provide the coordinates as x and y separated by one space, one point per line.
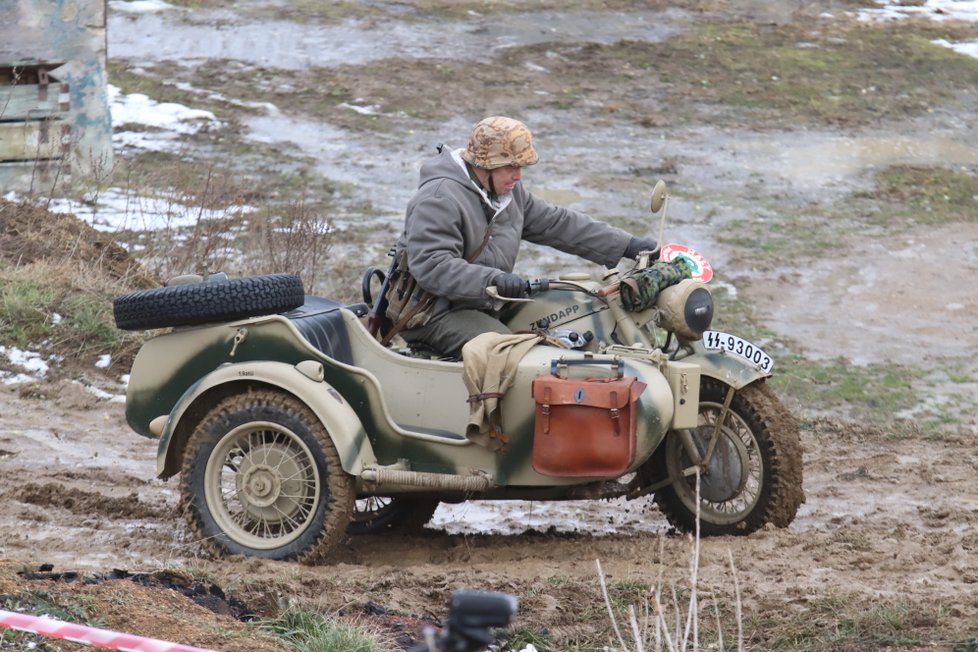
426 299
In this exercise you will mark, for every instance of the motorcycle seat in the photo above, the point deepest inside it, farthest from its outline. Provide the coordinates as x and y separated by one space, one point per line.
320 322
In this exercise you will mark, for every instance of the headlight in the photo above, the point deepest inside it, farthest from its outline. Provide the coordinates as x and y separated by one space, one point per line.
686 309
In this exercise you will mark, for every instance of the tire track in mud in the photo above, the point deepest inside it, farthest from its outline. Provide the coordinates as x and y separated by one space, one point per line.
85 503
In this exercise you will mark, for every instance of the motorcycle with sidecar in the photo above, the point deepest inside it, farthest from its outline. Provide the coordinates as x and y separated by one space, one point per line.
291 425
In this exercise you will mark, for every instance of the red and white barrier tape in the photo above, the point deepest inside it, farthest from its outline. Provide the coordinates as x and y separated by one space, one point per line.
45 626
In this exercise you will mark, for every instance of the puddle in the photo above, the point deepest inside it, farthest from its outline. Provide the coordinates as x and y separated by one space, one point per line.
376 168
822 160
614 516
896 302
191 37
383 169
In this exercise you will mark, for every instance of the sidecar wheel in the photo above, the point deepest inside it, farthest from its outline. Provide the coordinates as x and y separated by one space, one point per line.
262 478
373 514
200 303
755 476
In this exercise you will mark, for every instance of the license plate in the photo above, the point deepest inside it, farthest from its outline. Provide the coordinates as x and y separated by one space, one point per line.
738 346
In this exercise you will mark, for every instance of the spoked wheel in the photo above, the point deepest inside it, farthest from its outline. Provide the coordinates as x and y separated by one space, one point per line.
754 475
373 514
261 477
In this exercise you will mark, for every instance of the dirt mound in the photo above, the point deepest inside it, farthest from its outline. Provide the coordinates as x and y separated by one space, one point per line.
33 234
58 277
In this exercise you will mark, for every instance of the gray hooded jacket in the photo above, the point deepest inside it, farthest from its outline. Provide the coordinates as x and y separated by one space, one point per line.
446 223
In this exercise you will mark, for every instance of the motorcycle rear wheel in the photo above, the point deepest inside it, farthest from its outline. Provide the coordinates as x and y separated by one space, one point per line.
261 477
375 514
755 473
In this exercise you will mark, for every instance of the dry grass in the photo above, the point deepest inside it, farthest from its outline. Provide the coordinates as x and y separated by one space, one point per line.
57 279
664 624
59 275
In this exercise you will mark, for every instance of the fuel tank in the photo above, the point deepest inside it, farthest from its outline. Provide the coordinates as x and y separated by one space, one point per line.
563 307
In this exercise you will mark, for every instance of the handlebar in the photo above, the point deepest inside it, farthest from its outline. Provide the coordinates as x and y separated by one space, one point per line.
608 290
537 285
542 285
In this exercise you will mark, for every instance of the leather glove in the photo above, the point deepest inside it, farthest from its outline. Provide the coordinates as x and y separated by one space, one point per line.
638 245
510 285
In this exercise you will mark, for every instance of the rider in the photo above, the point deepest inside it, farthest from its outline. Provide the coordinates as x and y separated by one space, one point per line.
463 228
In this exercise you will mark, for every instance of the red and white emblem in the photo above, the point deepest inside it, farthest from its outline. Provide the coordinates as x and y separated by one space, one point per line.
701 267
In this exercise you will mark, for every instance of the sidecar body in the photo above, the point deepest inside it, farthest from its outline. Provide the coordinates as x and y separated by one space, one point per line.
398 422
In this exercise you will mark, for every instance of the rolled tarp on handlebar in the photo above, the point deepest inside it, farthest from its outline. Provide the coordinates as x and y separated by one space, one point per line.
639 291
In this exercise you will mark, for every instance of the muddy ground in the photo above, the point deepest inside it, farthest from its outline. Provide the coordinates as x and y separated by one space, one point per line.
882 554
823 162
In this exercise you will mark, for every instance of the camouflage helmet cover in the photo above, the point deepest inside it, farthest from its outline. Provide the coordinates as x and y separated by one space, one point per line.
498 141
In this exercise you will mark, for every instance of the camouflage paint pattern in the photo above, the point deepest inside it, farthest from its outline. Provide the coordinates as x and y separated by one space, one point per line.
382 408
639 291
498 141
184 373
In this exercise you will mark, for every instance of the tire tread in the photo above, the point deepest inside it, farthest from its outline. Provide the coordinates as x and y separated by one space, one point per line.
339 489
200 303
782 452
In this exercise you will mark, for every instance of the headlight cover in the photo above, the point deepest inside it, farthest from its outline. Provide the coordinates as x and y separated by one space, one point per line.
686 309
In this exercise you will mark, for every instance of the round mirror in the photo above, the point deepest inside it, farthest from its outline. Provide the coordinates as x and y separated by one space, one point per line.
659 193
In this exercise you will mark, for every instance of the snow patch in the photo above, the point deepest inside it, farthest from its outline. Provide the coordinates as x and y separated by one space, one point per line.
140 6
938 10
113 210
967 48
172 119
35 366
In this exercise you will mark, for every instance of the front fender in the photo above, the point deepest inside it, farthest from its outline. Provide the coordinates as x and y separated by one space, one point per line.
724 367
304 381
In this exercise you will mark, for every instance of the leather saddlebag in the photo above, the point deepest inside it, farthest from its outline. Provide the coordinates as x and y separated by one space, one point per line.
585 427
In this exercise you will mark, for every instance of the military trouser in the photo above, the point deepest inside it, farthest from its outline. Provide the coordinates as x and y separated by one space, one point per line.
448 332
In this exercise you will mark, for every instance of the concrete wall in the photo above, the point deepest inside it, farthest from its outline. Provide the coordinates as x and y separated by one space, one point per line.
54 115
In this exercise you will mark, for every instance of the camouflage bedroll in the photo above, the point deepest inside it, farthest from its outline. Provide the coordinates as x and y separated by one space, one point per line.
639 292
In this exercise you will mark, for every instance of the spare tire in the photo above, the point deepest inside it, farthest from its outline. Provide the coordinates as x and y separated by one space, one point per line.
210 301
